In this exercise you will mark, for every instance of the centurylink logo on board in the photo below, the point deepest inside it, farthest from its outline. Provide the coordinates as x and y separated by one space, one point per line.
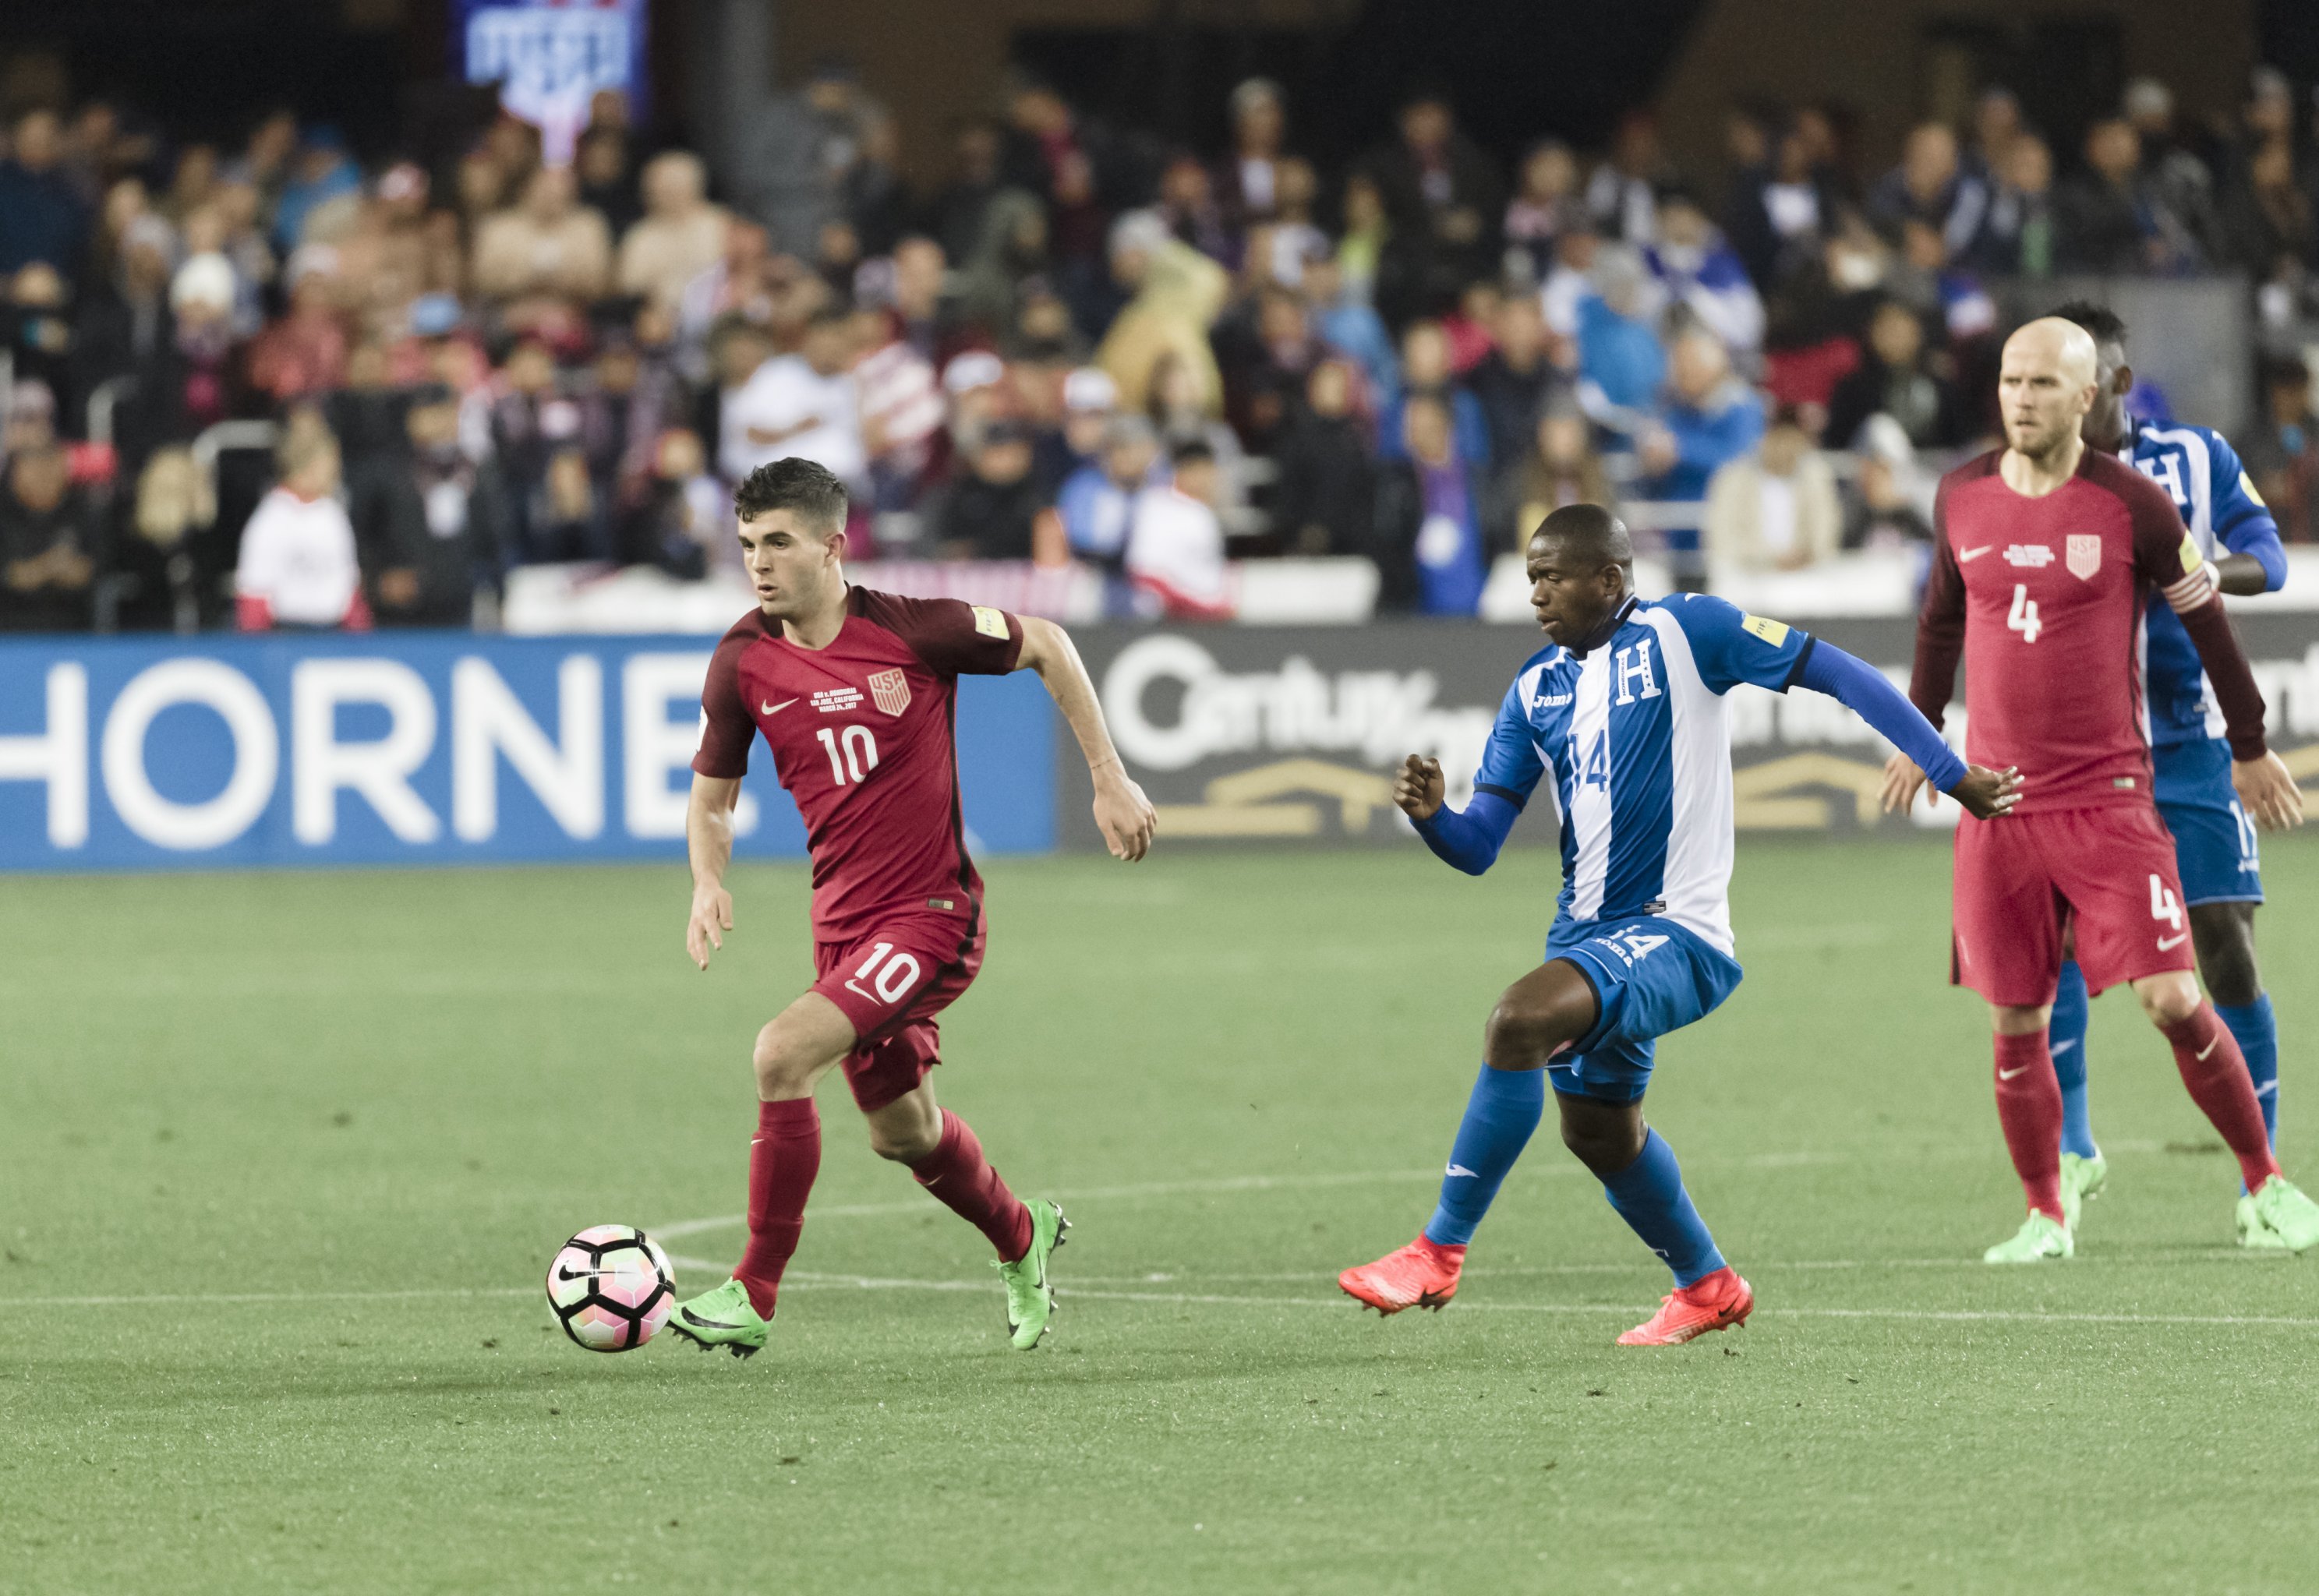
1172 705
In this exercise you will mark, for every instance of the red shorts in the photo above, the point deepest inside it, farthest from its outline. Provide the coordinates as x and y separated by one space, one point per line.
2022 882
891 984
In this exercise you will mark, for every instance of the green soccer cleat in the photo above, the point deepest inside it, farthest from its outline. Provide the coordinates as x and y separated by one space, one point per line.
2080 1179
2255 1233
1030 1295
2040 1236
721 1318
2291 1216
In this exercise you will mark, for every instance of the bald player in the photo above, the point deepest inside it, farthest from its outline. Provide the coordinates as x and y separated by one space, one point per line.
2045 553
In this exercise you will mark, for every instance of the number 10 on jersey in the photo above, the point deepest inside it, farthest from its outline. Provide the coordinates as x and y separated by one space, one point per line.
853 754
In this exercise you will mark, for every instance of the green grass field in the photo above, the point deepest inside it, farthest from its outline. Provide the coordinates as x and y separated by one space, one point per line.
283 1159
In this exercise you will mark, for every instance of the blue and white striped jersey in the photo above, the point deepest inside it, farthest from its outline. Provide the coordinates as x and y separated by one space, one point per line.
1638 737
2218 503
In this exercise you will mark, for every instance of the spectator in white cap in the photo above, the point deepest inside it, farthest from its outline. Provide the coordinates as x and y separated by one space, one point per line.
1177 293
202 297
1089 399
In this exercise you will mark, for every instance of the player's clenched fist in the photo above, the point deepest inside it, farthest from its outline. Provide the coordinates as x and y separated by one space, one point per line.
1123 813
1418 787
712 917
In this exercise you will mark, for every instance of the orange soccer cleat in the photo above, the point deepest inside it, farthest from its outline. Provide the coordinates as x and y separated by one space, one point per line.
1421 1274
1712 1302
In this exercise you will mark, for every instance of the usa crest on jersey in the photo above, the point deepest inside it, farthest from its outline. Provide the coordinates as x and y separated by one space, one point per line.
889 690
2083 554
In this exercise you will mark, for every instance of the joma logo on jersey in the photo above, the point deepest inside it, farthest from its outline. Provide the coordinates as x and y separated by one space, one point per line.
890 691
2037 556
834 701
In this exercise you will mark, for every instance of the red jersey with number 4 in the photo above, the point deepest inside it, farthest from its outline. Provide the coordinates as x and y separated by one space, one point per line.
2047 595
863 738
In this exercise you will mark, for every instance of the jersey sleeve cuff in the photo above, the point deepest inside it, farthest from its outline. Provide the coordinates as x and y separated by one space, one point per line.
1803 658
1517 800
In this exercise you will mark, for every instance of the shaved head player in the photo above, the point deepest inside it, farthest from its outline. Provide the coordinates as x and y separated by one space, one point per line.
2045 553
855 693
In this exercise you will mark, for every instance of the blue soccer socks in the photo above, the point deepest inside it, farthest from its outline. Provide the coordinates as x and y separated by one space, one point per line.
1500 1114
2066 1036
1649 1196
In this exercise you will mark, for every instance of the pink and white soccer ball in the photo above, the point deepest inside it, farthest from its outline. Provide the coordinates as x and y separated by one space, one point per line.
611 1288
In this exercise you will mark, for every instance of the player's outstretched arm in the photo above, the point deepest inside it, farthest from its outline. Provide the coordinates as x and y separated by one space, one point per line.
1468 838
1923 757
1122 812
709 843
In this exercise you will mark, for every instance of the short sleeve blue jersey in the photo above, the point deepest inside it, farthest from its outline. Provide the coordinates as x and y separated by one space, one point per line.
2202 473
1638 735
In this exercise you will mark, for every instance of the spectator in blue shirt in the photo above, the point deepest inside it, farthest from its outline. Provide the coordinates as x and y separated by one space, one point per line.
1620 363
323 172
42 217
1708 417
1425 369
1097 503
1350 325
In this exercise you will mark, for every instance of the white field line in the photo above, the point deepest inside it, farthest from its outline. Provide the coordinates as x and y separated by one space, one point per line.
802 1280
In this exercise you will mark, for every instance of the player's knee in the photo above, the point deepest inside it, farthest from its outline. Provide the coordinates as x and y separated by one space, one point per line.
2170 999
783 1070
1523 1032
1604 1143
910 1144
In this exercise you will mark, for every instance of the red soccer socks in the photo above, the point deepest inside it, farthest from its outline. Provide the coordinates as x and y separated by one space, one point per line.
2215 1072
2029 1108
957 1175
783 1159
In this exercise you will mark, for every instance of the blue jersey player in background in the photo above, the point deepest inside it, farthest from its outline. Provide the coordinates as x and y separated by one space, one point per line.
1624 710
2214 840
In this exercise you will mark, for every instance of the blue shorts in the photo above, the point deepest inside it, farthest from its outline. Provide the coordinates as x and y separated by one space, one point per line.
2214 840
1650 975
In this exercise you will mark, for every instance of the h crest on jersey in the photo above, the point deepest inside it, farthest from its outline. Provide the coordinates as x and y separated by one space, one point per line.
2083 554
890 691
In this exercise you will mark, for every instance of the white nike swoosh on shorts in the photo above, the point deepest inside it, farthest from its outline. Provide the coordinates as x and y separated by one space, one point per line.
2167 944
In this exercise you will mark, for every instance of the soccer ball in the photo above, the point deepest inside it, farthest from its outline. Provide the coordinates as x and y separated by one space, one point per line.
611 1288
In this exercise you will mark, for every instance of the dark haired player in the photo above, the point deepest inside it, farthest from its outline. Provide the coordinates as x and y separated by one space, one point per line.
2215 843
1624 710
855 693
2045 553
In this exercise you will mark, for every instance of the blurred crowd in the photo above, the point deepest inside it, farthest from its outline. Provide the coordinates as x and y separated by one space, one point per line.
1081 345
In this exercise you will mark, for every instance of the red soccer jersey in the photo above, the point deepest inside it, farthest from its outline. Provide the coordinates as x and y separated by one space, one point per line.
2048 596
861 735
